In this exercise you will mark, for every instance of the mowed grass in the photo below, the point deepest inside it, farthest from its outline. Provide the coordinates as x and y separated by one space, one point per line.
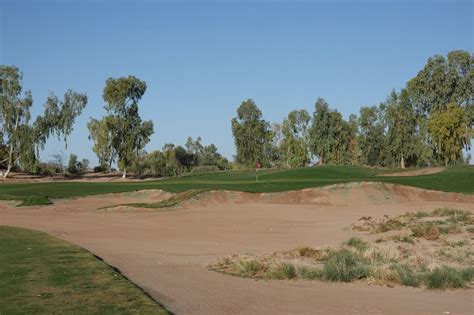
454 179
43 275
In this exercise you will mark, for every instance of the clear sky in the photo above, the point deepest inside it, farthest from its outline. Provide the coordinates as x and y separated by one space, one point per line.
201 59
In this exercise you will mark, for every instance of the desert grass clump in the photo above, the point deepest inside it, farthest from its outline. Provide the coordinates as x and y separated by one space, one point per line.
308 252
248 268
344 265
407 276
309 273
428 230
449 228
445 278
421 214
403 239
381 274
470 229
357 243
282 271
389 225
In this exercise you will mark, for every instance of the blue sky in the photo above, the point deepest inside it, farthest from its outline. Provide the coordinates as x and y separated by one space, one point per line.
201 59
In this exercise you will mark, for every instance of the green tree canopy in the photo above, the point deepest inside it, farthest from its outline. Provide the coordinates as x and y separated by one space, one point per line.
252 135
125 132
450 132
23 139
295 142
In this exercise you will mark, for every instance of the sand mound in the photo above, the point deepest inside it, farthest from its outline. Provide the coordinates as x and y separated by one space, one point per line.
418 172
361 193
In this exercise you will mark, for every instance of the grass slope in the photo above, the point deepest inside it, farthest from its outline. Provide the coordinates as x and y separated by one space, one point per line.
43 275
454 179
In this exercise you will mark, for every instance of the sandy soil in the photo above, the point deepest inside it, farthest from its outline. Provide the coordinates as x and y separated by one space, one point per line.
418 172
167 252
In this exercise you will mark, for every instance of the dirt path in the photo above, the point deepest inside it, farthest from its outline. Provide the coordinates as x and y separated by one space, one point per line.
167 252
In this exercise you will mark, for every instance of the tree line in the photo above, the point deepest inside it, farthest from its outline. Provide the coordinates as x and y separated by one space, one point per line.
428 122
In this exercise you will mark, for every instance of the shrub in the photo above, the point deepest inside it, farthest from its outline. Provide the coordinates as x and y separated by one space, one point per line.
470 229
99 169
311 252
282 271
445 277
357 243
389 225
309 273
407 276
248 268
381 274
427 230
344 265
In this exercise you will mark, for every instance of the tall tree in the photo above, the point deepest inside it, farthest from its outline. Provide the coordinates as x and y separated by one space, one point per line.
320 129
24 140
100 131
443 81
295 143
372 136
450 132
402 127
129 134
252 135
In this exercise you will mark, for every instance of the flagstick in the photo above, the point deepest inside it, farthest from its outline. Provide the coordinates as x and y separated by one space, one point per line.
256 174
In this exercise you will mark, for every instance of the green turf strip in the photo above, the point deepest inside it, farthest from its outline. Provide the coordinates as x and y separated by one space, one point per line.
40 274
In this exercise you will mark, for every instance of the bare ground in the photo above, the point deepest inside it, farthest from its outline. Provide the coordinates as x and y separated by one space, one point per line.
167 252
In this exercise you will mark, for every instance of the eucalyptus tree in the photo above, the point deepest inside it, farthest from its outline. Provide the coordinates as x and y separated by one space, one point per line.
320 129
451 132
330 135
100 131
372 136
252 135
127 133
24 140
443 81
295 142
401 123
441 84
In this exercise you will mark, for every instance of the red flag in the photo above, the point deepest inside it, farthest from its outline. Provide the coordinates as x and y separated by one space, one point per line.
257 165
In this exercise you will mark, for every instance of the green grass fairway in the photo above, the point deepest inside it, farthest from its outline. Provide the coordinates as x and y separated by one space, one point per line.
454 179
43 275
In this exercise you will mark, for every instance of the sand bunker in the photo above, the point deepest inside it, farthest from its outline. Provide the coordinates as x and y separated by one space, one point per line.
167 252
418 172
361 193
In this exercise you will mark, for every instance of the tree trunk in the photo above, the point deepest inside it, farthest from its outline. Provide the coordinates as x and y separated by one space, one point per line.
402 162
8 171
124 172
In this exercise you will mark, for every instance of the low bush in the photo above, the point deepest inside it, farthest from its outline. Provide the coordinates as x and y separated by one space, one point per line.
345 266
428 230
445 277
309 273
282 271
407 276
248 268
357 243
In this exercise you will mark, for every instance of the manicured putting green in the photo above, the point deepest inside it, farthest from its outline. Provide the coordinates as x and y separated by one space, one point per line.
41 274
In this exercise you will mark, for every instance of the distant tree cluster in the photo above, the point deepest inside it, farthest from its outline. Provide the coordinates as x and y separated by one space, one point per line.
174 160
429 122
